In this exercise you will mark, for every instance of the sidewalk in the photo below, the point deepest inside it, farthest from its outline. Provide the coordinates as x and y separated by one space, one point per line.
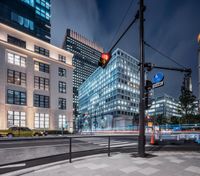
122 164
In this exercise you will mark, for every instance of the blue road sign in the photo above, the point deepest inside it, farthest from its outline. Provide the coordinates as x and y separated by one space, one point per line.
158 78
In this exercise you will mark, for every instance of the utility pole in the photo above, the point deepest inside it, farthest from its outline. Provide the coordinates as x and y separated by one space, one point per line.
141 138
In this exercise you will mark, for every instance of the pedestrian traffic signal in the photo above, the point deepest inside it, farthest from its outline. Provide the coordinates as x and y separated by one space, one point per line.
148 85
105 58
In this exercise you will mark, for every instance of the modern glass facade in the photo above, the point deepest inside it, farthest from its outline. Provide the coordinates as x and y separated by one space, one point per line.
29 16
85 60
166 106
110 96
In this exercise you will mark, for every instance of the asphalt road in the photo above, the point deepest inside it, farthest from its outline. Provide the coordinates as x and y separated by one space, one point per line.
91 146
90 141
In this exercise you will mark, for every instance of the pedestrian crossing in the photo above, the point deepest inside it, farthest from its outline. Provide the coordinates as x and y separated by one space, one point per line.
113 143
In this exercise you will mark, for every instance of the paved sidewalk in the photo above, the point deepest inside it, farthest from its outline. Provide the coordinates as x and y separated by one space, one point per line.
122 164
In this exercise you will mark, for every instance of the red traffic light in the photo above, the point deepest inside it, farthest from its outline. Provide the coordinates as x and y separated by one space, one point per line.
105 58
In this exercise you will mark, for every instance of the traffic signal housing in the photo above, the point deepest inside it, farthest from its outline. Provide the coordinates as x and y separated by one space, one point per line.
105 58
148 87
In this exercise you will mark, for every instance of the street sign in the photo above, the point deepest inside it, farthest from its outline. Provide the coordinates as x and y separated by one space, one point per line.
159 84
159 77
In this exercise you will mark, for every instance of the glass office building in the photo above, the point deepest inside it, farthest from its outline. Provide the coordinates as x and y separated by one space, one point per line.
110 96
85 60
166 106
29 16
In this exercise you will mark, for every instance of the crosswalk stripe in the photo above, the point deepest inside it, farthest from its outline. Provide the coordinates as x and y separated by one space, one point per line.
115 143
99 143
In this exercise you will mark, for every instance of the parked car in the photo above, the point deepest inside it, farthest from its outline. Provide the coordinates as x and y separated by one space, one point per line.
21 132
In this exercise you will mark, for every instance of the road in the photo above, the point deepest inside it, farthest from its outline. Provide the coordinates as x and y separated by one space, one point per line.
80 147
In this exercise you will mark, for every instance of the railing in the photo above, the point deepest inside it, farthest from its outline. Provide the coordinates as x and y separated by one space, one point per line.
95 136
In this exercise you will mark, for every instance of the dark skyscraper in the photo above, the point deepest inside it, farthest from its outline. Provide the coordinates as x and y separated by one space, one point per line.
29 16
85 60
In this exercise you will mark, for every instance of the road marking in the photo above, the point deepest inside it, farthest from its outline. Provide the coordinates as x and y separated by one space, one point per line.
124 143
13 165
99 143
38 146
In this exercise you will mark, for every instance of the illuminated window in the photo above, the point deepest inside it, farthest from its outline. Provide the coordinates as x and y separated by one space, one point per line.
22 21
62 123
16 60
16 118
62 87
41 120
62 103
29 2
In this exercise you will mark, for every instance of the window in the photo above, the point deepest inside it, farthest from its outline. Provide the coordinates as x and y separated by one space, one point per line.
16 97
62 103
22 21
41 101
16 118
39 66
41 50
16 60
16 41
29 2
43 9
15 77
62 58
62 87
62 72
41 83
41 120
62 123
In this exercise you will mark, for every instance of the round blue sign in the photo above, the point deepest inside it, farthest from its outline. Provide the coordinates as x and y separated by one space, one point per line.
158 78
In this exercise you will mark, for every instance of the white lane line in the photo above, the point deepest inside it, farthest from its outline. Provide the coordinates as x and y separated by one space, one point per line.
13 165
110 142
38 146
122 143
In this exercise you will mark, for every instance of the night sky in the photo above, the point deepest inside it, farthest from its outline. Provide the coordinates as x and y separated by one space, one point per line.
171 26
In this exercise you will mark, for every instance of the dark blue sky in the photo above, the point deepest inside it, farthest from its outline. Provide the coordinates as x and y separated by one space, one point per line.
171 26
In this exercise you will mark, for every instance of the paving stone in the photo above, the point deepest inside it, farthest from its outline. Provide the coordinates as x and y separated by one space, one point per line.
129 169
193 169
176 161
148 171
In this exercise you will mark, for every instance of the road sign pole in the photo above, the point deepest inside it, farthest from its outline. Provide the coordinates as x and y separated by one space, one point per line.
141 138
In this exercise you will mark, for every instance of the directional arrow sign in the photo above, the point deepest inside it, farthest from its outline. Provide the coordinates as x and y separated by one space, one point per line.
159 77
159 84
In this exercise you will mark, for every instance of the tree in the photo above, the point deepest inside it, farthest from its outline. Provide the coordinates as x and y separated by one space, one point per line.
187 102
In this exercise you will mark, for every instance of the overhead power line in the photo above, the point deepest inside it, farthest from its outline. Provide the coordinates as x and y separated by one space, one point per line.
123 19
122 35
164 55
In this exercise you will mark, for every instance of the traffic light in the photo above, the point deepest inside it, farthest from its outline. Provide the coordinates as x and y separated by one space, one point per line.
105 58
148 87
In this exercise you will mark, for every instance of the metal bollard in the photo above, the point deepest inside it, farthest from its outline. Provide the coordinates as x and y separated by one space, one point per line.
109 146
70 150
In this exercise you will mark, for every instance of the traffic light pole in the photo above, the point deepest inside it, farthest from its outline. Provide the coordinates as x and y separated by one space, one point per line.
141 138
